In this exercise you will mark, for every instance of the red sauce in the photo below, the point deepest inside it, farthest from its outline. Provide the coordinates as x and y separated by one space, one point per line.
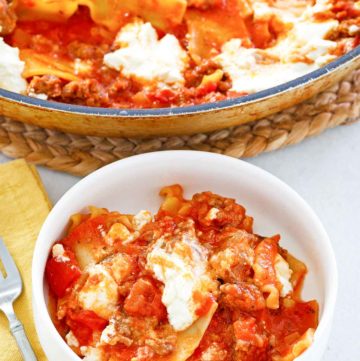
243 326
208 27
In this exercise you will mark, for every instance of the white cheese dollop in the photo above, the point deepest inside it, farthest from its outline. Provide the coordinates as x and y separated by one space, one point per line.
252 69
182 268
144 57
41 96
58 252
108 333
71 340
212 214
11 68
141 219
354 29
283 274
100 292
91 353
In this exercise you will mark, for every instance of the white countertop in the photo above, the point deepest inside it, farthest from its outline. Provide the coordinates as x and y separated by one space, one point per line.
325 171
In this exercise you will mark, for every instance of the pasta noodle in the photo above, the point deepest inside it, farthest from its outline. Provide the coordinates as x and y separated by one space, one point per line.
264 269
161 13
40 64
189 340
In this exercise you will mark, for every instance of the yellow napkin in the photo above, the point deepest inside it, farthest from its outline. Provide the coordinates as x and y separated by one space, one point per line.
24 206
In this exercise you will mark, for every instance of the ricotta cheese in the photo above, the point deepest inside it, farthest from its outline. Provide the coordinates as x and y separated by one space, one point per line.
58 253
91 353
262 11
146 58
11 68
321 6
71 340
212 214
182 267
283 274
140 219
121 232
108 333
100 292
41 96
354 29
120 266
300 51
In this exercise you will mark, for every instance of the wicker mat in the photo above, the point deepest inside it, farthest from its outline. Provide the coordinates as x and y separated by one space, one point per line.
81 155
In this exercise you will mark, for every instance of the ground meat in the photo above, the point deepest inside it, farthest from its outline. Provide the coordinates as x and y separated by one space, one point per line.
87 92
50 85
225 84
233 261
84 51
229 213
243 296
119 85
7 18
127 330
42 44
251 353
213 353
162 346
144 353
203 4
146 332
194 75
251 340
346 29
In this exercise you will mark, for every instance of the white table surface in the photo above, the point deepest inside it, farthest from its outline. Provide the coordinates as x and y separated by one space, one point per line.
325 171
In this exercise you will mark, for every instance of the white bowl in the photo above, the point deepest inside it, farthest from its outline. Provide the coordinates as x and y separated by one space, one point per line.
133 184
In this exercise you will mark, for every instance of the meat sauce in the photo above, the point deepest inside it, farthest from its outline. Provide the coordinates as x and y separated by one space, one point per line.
245 326
65 60
81 38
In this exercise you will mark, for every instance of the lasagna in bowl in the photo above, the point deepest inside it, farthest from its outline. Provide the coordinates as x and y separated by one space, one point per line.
166 53
193 282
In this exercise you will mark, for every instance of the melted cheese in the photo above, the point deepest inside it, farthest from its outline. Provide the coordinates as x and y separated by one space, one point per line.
252 69
120 266
108 333
143 57
99 293
212 214
182 269
141 219
283 274
11 68
71 340
58 253
91 353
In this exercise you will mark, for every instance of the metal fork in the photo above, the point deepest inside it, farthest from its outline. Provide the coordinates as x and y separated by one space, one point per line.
10 290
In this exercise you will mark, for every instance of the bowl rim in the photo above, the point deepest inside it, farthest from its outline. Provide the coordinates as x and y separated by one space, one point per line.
40 310
186 110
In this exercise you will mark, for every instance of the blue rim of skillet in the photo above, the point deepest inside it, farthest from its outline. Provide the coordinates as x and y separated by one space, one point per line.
206 107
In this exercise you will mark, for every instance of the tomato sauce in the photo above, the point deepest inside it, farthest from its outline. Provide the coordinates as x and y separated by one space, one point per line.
64 55
244 327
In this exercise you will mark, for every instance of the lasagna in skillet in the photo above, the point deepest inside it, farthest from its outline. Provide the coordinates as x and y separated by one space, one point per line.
193 282
166 53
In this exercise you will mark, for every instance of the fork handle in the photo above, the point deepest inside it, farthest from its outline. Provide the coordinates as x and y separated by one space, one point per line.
17 329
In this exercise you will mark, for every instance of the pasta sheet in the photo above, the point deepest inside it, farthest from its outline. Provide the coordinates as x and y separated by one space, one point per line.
189 339
161 13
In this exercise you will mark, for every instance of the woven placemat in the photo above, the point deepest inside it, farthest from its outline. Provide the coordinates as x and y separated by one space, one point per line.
80 155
